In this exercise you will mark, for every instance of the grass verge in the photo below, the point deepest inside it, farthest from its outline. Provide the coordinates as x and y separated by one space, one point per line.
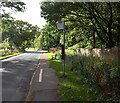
70 87
8 56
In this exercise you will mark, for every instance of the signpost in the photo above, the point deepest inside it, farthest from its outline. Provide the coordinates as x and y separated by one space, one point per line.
61 26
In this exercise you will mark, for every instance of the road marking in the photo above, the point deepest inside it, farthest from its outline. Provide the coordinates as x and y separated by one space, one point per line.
3 70
40 75
32 78
38 65
34 73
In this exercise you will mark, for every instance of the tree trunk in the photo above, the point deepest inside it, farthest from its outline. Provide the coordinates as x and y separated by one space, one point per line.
110 39
94 40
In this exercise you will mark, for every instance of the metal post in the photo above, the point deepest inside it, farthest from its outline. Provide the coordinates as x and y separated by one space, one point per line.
61 26
64 53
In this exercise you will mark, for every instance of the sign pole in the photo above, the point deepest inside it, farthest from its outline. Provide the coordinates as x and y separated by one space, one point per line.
64 53
61 27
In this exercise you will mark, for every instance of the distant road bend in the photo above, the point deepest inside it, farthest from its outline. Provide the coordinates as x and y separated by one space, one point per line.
16 75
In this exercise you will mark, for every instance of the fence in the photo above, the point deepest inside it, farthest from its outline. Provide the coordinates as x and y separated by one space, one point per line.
100 52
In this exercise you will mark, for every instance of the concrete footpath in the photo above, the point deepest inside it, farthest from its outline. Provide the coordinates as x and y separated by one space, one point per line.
44 83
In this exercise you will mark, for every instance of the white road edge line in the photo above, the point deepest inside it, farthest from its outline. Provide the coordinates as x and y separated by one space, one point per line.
34 73
32 78
40 75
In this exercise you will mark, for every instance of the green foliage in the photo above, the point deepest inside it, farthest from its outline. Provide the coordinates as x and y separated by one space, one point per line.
8 52
18 33
4 45
50 36
101 73
38 42
16 6
93 24
71 88
58 54
8 55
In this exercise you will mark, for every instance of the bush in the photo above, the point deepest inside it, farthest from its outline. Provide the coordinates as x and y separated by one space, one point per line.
4 45
53 50
8 52
102 73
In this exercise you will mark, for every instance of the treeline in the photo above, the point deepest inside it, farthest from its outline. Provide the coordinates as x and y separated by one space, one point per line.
89 24
17 34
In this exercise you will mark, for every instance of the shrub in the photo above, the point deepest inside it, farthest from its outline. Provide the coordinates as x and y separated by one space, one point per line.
102 73
8 52
4 45
53 50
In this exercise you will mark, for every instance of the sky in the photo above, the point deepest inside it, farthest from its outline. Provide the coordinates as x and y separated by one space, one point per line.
31 14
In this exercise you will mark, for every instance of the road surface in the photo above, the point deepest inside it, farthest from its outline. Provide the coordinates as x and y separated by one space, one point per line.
16 75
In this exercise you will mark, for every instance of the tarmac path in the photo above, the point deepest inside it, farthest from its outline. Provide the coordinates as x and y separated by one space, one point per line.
16 75
45 83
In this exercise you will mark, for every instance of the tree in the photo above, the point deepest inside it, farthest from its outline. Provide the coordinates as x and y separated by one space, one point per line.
22 34
38 42
19 33
15 6
97 20
50 36
7 20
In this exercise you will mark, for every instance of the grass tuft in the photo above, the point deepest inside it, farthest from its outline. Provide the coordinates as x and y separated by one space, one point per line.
8 56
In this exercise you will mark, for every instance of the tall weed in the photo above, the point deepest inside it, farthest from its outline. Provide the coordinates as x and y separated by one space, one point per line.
102 73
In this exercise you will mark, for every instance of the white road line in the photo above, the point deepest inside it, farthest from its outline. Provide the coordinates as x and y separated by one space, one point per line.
40 75
32 78
34 74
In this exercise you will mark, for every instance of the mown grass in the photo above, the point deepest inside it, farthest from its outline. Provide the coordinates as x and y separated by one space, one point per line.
8 56
70 87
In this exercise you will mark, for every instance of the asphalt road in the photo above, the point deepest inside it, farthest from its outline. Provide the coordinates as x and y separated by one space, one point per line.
16 75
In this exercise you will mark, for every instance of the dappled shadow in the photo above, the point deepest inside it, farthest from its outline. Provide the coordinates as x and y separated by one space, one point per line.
72 83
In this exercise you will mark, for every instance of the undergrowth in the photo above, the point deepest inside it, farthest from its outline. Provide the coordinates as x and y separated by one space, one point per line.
71 87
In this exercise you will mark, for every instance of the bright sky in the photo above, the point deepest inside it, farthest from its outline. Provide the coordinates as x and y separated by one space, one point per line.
32 13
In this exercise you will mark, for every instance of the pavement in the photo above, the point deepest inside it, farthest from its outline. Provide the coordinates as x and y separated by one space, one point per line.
44 83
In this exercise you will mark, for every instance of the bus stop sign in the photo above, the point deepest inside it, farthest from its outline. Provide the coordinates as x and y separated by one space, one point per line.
60 25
